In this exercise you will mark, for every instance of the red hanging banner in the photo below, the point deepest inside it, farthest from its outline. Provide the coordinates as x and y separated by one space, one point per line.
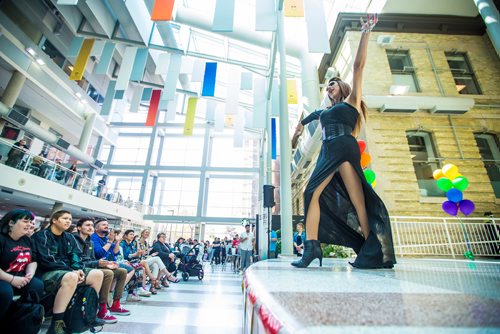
162 10
153 107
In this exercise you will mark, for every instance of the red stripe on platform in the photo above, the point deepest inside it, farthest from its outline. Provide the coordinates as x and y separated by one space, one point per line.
162 10
153 107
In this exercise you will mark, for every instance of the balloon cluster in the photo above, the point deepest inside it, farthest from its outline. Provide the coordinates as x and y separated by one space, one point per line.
453 183
370 176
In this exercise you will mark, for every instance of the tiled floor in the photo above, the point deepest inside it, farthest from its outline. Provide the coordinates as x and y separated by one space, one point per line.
213 305
418 296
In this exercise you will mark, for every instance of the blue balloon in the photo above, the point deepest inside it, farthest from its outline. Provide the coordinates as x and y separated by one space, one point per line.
454 195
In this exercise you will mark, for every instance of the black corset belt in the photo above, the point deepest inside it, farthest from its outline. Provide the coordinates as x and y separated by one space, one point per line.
331 131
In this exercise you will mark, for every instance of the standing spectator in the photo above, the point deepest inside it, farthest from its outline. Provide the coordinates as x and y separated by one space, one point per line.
17 259
216 249
298 240
16 153
60 266
273 241
70 174
247 240
100 186
236 243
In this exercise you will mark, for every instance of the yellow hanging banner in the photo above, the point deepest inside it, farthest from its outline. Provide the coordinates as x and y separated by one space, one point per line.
81 60
189 123
294 8
291 88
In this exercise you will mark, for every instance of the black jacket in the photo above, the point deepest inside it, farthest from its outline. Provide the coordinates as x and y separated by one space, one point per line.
86 251
52 255
163 252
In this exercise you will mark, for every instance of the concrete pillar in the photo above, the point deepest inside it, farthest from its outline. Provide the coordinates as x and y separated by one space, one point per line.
202 232
285 148
86 135
491 18
12 91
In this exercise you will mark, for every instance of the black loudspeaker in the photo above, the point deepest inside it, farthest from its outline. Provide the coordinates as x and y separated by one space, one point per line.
269 196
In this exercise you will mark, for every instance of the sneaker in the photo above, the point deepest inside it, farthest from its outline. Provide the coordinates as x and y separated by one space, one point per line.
118 309
57 327
98 322
132 297
108 318
143 292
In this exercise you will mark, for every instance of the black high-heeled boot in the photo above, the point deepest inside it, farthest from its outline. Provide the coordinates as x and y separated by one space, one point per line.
312 250
371 256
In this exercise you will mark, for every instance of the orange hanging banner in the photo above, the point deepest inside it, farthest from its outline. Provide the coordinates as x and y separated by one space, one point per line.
81 60
153 107
162 10
294 8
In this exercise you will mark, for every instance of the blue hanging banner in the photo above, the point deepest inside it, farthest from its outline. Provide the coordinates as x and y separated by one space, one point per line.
74 47
223 16
139 64
209 79
273 138
146 94
108 98
105 60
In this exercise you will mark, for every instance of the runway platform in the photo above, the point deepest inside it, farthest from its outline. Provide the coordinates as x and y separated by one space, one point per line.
418 296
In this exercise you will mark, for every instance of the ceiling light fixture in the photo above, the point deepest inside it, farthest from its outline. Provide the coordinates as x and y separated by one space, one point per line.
78 95
31 51
40 61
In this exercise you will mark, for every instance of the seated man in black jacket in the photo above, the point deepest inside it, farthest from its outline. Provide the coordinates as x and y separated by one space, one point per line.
60 267
166 257
110 270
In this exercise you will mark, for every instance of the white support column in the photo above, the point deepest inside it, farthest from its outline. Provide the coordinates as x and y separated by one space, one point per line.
12 91
86 135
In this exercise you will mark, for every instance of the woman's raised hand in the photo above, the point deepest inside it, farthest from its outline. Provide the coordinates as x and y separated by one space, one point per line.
371 21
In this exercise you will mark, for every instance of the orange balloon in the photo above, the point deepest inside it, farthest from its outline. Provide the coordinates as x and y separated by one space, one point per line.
438 173
365 159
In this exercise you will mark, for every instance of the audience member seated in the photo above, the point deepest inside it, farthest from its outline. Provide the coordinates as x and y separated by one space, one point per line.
17 259
168 259
16 154
153 260
110 270
60 266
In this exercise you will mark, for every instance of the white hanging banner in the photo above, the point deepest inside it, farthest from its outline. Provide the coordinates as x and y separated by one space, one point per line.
172 108
198 71
210 114
246 80
187 65
265 15
97 49
126 68
170 86
223 16
259 103
317 33
275 99
162 64
219 119
233 91
136 98
248 118
238 130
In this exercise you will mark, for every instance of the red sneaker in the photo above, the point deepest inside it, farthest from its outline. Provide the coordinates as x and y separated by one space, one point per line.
117 309
107 318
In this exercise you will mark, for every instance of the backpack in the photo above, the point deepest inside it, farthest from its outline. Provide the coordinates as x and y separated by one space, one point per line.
25 316
81 312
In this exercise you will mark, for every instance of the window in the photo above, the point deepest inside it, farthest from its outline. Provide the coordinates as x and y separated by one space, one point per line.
53 53
403 72
464 77
94 94
424 157
488 148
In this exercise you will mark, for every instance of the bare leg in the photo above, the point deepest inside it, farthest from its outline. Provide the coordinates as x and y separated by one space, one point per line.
129 276
355 190
65 292
313 212
94 279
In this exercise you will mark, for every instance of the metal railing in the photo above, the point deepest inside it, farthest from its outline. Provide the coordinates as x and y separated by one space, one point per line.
449 237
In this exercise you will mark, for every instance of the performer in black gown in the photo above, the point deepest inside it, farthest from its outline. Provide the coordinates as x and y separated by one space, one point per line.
340 206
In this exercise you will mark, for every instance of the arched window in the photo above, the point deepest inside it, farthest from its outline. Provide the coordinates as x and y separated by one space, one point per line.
425 161
488 148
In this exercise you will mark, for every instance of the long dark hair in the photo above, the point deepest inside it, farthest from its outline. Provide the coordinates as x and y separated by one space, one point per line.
14 215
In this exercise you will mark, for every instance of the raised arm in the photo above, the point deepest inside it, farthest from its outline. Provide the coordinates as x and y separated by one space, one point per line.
359 62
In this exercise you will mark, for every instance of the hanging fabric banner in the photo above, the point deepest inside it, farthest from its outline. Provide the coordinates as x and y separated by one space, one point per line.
223 16
209 79
233 90
172 108
210 114
198 71
219 119
162 64
273 138
97 49
74 47
265 15
190 112
238 130
291 85
162 10
170 86
139 64
259 103
81 60
119 94
126 68
146 94
318 40
105 60
153 107
108 98
136 98
294 8
275 99
246 80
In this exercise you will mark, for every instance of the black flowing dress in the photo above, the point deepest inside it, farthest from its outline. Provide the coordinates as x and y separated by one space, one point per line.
339 223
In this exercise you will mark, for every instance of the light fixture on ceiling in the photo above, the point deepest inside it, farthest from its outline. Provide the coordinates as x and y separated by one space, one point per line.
84 101
40 61
31 51
78 95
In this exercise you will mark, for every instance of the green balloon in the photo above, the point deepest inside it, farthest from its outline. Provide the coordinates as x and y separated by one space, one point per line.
444 184
461 183
369 175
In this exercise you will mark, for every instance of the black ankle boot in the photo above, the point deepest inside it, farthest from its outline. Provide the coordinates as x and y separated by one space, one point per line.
312 250
371 256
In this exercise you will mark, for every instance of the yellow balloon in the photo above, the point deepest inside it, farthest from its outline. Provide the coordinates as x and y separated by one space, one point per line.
451 171
438 173
374 183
